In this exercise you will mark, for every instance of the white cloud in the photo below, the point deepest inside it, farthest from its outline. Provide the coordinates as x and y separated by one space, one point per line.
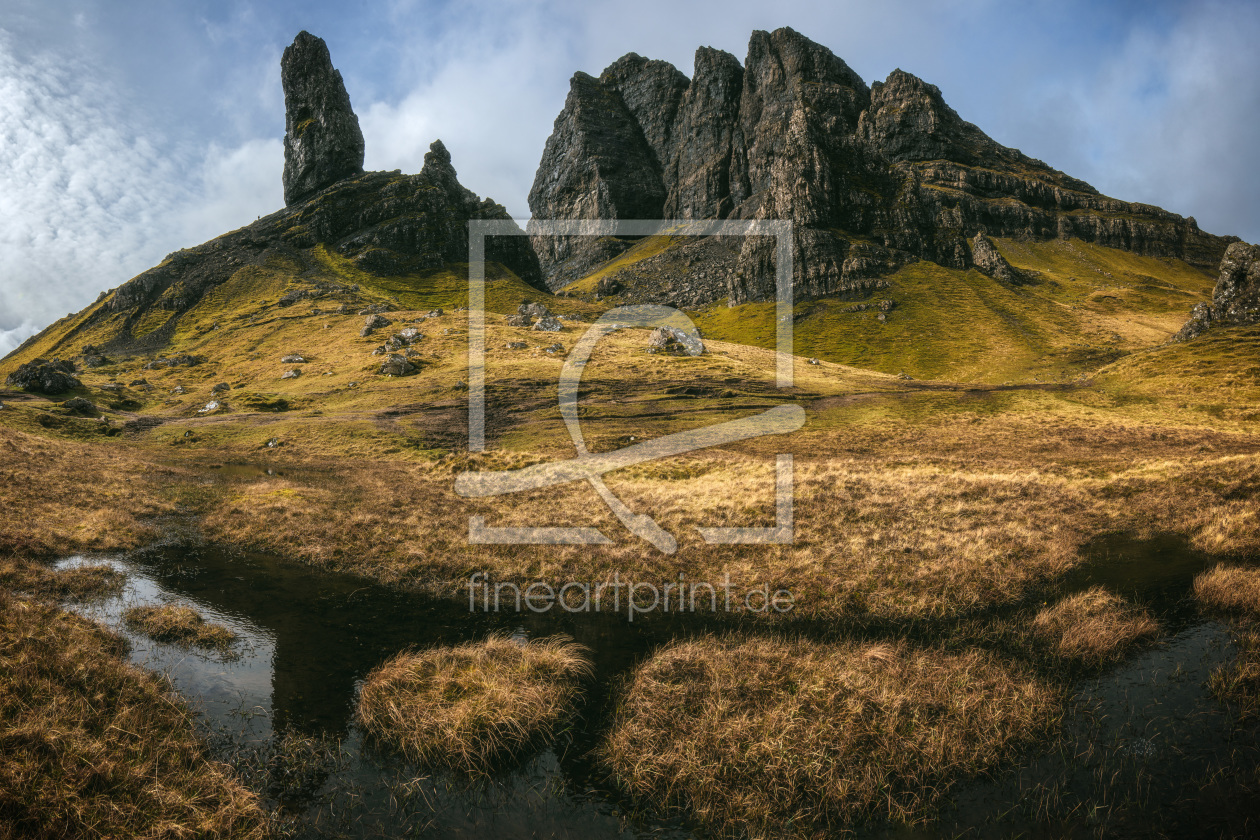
10 340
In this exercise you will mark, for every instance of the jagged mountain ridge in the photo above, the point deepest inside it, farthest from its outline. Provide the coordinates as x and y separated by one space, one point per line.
872 177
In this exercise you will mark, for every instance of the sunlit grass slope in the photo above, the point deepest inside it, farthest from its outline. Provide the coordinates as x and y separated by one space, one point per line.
1085 306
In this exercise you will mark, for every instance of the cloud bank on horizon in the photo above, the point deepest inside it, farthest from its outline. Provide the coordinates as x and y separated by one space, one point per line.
129 130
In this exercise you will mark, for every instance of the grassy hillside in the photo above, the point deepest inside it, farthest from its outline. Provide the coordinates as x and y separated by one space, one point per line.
1084 307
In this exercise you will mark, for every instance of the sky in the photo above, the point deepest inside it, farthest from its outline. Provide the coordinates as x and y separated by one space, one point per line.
132 128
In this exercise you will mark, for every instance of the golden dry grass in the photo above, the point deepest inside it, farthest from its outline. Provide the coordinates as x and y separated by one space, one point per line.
180 626
93 747
468 706
63 496
771 738
1093 627
1230 589
79 582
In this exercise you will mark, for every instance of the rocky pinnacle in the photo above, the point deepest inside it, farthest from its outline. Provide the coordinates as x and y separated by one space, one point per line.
322 140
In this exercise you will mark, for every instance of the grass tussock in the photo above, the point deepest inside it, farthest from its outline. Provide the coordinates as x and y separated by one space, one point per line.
79 583
1229 589
1093 627
1238 682
179 626
93 747
773 738
469 705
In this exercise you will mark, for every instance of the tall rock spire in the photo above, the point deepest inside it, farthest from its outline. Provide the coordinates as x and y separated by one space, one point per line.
322 140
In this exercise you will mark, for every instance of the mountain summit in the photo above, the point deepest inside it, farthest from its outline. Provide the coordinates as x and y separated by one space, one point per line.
872 177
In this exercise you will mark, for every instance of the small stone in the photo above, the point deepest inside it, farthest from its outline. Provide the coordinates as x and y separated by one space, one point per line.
519 320
814 362
435 313
675 342
293 359
211 407
395 365
178 389
136 383
78 405
220 388
555 348
516 345
533 310
410 334
291 374
549 323
273 443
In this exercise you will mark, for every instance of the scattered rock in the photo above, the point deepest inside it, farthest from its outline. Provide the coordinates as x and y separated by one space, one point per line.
411 334
519 320
291 374
178 389
96 360
293 359
395 365
549 323
212 407
183 360
1236 298
220 388
461 385
273 443
533 310
374 322
516 345
555 348
675 342
139 383
376 309
111 387
814 362
80 406
435 313
608 285
44 377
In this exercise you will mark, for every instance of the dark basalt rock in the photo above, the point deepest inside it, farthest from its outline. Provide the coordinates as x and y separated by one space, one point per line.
322 141
986 258
43 377
1236 298
871 178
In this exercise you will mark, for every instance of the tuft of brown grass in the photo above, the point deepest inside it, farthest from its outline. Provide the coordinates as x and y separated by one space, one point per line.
80 582
1239 681
180 626
771 738
469 705
1231 589
1093 627
93 747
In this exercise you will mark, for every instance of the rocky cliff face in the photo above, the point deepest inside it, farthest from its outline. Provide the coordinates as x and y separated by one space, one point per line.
322 140
871 177
1236 298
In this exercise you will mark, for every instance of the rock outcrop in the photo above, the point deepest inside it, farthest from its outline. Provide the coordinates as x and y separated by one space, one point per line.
871 177
986 257
1236 298
43 377
384 223
322 140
